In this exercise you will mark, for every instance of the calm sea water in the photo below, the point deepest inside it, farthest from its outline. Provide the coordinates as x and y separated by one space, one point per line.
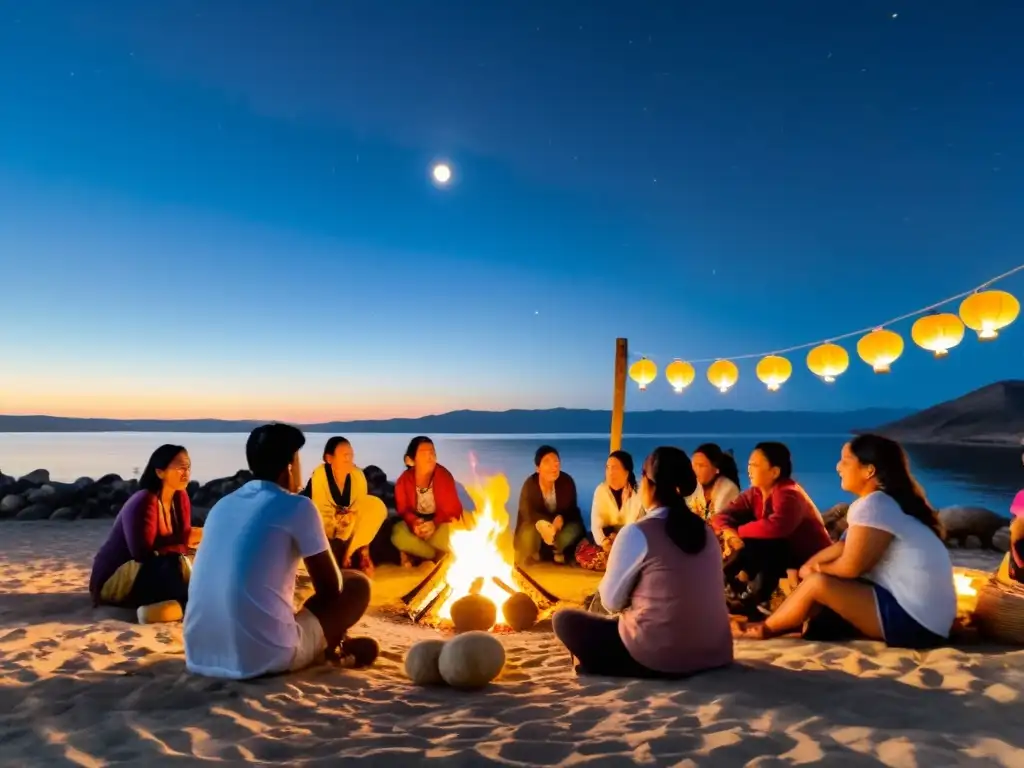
986 477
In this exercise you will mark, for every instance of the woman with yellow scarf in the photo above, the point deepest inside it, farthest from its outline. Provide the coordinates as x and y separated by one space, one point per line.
351 515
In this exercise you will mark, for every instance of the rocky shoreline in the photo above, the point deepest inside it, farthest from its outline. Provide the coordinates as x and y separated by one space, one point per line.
36 497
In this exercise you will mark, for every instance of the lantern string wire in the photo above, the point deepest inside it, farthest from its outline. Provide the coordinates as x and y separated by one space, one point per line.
861 331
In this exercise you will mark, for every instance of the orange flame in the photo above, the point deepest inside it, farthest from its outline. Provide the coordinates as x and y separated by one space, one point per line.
481 545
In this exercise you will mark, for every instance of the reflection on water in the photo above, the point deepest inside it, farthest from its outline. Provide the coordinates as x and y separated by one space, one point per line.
977 469
978 476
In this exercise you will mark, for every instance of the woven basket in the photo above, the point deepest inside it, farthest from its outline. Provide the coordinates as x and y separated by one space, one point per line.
1000 612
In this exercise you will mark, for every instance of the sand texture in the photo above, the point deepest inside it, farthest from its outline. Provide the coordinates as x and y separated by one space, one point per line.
87 687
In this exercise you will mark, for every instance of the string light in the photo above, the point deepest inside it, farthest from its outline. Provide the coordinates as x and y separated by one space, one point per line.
984 311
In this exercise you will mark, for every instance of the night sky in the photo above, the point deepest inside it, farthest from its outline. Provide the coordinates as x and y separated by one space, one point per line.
225 208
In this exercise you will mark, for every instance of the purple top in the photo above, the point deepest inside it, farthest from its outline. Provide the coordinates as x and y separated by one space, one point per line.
677 621
137 535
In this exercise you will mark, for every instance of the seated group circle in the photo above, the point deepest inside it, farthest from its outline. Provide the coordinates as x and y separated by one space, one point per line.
659 540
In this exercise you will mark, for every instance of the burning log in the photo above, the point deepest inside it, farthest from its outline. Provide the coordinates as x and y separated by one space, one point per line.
442 564
532 588
430 592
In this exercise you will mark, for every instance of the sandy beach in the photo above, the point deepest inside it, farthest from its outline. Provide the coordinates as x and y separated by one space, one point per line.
87 687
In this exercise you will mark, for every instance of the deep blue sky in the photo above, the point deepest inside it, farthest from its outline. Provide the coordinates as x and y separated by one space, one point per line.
225 208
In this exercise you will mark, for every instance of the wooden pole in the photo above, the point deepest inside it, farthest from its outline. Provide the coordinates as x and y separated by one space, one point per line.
619 398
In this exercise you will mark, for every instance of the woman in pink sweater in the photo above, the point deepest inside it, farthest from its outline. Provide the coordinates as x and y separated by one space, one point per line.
663 579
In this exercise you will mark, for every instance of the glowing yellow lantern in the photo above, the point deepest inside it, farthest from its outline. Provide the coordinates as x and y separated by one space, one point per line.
680 375
988 312
938 333
828 361
880 349
643 372
774 371
723 374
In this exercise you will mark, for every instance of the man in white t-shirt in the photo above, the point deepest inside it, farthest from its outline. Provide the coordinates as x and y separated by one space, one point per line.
240 621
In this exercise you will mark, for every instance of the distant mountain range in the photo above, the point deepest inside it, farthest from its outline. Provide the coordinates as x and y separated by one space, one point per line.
553 421
992 415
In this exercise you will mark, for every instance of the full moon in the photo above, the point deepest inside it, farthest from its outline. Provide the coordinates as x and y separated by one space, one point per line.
442 173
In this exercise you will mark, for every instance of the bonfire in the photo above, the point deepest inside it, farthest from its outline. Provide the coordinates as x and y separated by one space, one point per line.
479 564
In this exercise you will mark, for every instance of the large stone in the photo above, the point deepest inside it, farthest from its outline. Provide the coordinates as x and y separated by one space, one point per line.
473 612
35 512
65 513
471 660
421 662
1001 539
835 520
37 477
10 504
520 611
199 515
41 494
91 508
375 476
961 522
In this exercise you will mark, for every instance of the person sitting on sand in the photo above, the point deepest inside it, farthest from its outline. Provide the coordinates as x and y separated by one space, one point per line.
659 576
769 528
241 622
548 511
616 503
351 515
718 479
144 562
890 577
427 500
1012 569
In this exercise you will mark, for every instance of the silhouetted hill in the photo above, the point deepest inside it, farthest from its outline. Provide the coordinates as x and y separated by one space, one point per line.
992 415
554 421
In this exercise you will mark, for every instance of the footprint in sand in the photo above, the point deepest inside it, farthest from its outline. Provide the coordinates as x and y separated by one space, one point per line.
14 634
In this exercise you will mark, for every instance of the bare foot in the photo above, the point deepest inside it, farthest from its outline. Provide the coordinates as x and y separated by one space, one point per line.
406 560
751 630
365 563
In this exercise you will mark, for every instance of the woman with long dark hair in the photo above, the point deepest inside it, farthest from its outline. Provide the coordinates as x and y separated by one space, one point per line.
616 504
144 562
771 527
890 577
661 577
718 478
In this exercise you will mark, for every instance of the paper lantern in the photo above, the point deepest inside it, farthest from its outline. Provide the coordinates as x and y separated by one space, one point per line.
880 349
680 375
723 374
938 333
774 371
828 361
988 312
643 372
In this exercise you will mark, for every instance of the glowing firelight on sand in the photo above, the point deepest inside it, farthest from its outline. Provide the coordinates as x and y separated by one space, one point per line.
481 546
964 585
